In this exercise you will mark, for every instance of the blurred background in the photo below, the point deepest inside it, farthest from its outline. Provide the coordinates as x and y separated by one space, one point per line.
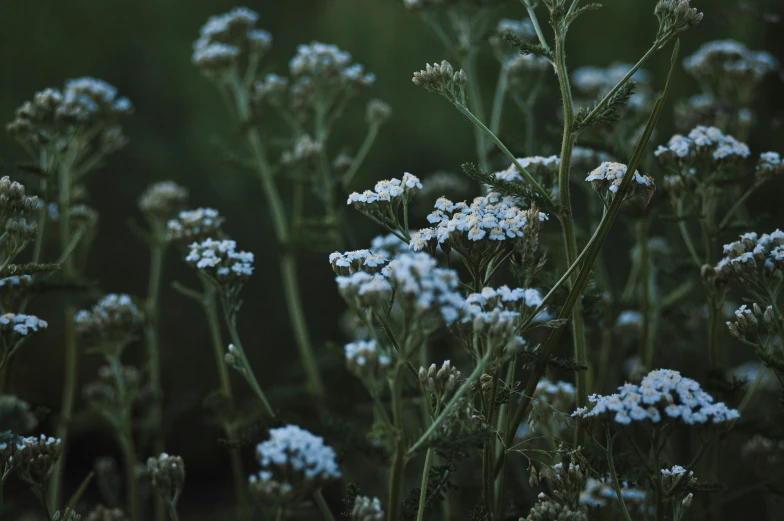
143 47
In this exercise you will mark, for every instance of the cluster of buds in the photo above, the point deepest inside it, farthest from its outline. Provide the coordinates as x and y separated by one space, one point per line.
34 457
323 74
675 16
221 261
565 483
194 225
558 395
366 362
769 165
359 260
294 464
606 179
102 513
439 383
168 476
364 290
747 321
86 108
161 202
15 415
444 80
729 71
377 112
753 260
112 395
367 509
306 151
111 324
14 206
271 89
227 37
678 480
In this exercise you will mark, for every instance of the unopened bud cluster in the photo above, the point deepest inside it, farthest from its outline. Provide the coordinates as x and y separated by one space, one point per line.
439 382
15 207
367 509
675 16
111 323
443 79
747 321
365 361
194 225
163 201
753 259
34 457
168 475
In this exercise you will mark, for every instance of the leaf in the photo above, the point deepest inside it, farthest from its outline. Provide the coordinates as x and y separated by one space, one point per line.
527 47
508 188
15 270
590 7
609 112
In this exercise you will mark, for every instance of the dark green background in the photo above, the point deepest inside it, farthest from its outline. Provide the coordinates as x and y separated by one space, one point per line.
144 47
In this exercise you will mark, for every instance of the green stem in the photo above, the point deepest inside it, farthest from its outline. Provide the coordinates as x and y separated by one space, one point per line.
71 354
361 154
322 506
475 96
399 458
213 322
129 454
151 335
737 205
425 479
528 177
280 224
646 308
247 371
614 475
566 217
498 101
535 22
172 508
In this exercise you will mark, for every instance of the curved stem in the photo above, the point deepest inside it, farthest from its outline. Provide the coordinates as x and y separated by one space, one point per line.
425 479
399 458
613 474
322 506
361 154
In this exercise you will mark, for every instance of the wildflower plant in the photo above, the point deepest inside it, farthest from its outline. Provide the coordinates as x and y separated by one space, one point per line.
460 373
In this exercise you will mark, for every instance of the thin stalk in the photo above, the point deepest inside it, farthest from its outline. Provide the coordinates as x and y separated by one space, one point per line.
528 177
476 103
210 307
172 508
613 474
361 154
535 22
425 479
566 217
280 223
646 307
399 458
248 373
498 101
151 335
129 455
71 354
322 506
737 205
591 253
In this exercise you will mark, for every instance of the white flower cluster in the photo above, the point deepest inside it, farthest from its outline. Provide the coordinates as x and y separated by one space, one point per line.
388 246
554 392
770 164
16 281
598 492
498 312
538 166
163 200
367 509
193 225
629 318
96 97
321 62
368 290
722 59
294 463
387 191
224 37
114 314
21 324
34 456
609 176
364 360
661 396
752 255
272 88
423 289
221 260
701 142
519 67
495 217
359 260
595 81
676 470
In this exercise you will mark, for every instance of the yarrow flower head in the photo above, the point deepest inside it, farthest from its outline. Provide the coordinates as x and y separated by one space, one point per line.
112 323
538 166
367 509
752 259
492 218
663 395
294 463
423 290
224 38
34 457
598 493
729 66
194 225
705 143
365 290
365 361
769 164
609 176
443 79
387 192
354 261
20 325
221 261
163 201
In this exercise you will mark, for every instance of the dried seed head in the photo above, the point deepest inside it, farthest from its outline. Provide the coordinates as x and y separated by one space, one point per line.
168 475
